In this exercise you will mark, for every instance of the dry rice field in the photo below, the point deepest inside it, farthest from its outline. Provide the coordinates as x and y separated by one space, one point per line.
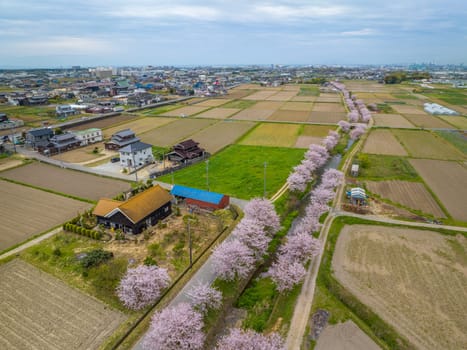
267 105
297 106
218 113
424 144
346 336
104 123
414 280
214 102
276 135
408 109
253 114
41 312
317 130
83 154
289 116
282 96
169 134
260 95
138 126
383 142
306 141
448 180
392 121
304 98
459 122
184 111
219 135
67 181
326 117
25 211
328 107
240 93
411 194
427 121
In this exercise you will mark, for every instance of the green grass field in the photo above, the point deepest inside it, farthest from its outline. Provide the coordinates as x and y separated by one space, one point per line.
238 170
380 167
274 135
456 138
159 110
242 104
308 91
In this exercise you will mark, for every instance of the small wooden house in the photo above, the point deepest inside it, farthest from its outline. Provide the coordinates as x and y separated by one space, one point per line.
137 213
186 150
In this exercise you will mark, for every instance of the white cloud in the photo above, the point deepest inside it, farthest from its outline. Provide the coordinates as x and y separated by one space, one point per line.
201 13
61 45
361 32
300 12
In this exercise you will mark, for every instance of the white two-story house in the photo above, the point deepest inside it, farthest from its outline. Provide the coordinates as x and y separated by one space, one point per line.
136 155
89 136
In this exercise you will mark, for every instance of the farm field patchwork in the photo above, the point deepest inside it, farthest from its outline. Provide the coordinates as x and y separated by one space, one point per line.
328 98
328 107
383 167
66 181
282 96
402 275
214 102
25 211
218 113
383 142
170 134
304 98
423 144
219 135
41 312
184 111
304 141
448 180
138 126
238 170
289 116
410 194
239 93
253 114
326 117
297 106
278 135
408 109
316 130
459 122
427 121
457 138
267 105
260 95
392 121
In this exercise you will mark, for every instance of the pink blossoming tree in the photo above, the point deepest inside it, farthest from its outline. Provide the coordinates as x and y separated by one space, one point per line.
251 233
232 259
178 327
263 211
142 285
286 274
239 339
345 126
204 297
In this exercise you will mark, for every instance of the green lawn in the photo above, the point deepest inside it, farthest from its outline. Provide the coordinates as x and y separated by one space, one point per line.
238 170
308 91
381 167
158 110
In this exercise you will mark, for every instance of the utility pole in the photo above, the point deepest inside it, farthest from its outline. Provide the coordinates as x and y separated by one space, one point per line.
264 181
134 165
190 245
207 174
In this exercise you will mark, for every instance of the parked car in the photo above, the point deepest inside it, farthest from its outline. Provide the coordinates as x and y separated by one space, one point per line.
115 159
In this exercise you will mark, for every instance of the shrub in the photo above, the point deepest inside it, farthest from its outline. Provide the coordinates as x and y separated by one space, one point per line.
95 257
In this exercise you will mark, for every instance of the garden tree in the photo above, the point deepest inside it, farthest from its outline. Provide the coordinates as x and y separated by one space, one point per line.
251 233
142 285
345 126
239 339
286 274
175 328
263 211
357 132
232 259
204 297
300 246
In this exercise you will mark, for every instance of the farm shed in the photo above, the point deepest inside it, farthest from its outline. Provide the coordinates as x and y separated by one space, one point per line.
137 213
357 195
201 198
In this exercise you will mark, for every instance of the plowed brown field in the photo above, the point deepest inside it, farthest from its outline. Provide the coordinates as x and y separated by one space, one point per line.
25 211
184 111
41 312
383 142
392 121
411 194
415 280
448 180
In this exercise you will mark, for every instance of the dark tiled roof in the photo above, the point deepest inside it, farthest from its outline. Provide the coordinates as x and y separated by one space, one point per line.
135 147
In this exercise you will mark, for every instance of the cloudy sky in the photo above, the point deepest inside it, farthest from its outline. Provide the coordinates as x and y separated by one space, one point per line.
53 33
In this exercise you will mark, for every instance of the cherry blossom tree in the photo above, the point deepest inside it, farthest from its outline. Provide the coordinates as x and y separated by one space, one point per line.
263 211
142 285
331 140
356 132
353 116
232 259
322 195
345 126
204 297
251 233
175 328
331 178
286 274
300 247
239 339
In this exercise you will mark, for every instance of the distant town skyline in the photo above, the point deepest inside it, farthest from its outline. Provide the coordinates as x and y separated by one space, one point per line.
53 33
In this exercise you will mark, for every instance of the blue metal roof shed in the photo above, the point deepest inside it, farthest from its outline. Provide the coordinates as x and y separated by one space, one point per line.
196 194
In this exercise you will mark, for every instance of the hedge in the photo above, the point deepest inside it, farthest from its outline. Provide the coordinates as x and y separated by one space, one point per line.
70 227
